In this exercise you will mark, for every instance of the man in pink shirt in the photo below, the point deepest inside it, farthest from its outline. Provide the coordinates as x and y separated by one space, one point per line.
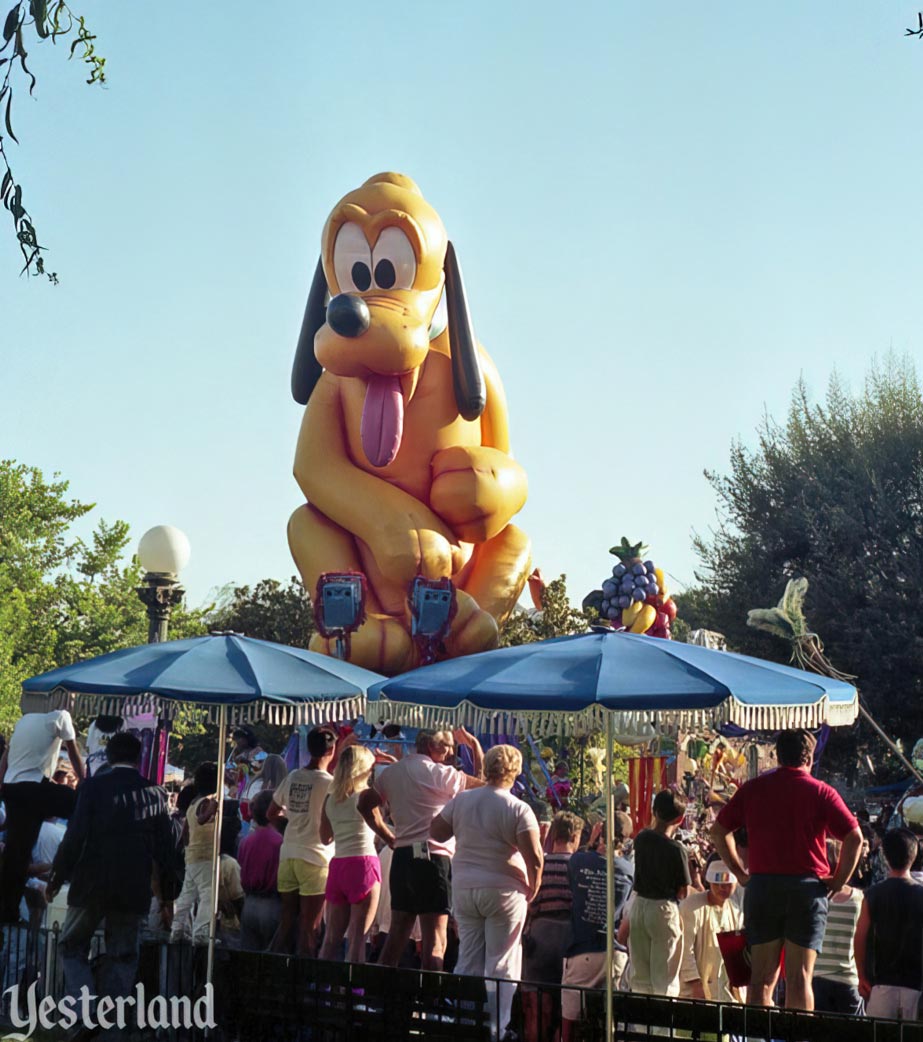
415 790
788 815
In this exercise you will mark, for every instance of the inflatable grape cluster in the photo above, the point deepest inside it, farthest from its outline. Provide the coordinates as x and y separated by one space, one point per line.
635 597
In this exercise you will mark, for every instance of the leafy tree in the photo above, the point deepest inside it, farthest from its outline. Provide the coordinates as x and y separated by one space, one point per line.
835 494
62 599
557 618
695 610
270 611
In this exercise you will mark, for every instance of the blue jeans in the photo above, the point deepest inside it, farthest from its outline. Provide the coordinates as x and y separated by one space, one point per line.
118 968
259 921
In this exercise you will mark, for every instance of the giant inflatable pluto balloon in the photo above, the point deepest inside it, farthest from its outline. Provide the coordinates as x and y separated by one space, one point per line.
404 451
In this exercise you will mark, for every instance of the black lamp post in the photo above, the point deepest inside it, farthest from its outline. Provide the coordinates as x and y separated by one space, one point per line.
163 553
160 594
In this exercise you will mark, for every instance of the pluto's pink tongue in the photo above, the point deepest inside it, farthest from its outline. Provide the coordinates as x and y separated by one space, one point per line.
382 419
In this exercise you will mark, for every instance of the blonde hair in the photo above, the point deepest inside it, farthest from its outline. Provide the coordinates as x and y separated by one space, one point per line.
503 765
352 772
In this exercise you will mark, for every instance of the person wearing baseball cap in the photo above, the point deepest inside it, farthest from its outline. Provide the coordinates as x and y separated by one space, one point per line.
705 914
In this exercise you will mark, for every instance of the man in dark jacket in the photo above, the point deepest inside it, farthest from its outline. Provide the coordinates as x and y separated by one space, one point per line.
120 828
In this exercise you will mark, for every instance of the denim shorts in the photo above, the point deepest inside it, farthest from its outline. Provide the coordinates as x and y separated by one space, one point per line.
791 908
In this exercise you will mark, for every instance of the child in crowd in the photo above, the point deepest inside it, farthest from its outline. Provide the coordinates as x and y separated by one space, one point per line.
706 914
259 870
199 832
661 881
548 929
889 935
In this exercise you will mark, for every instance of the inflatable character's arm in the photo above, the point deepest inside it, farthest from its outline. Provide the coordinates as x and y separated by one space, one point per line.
476 490
405 537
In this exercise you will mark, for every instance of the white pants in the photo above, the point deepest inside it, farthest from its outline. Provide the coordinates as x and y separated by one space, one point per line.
197 889
490 924
655 945
893 1003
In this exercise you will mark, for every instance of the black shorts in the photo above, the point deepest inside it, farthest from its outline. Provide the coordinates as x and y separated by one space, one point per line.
790 908
421 886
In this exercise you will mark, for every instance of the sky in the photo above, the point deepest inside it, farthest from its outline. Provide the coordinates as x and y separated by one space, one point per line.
665 214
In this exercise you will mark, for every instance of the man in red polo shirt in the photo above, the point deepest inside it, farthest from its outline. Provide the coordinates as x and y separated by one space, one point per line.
788 815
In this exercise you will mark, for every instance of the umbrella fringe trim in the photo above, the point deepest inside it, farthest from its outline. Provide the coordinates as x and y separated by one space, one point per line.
636 723
292 715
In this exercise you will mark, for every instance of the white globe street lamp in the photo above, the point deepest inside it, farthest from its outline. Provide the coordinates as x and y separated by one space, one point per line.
164 550
163 553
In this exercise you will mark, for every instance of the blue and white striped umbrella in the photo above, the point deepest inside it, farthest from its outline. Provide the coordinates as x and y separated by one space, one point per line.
570 684
254 679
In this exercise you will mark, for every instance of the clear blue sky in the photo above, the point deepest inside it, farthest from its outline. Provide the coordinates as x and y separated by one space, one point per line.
665 214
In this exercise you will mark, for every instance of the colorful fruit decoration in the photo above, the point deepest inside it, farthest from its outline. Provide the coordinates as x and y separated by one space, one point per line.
636 596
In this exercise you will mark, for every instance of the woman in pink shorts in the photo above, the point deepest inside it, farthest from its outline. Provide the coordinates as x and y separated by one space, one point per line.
354 875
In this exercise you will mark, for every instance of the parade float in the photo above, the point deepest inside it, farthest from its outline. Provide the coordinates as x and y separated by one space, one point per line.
635 597
707 765
404 452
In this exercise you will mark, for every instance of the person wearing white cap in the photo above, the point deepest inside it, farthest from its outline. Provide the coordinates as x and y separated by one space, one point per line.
706 914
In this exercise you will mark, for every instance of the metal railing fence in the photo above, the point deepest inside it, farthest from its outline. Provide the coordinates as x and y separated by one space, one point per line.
262 997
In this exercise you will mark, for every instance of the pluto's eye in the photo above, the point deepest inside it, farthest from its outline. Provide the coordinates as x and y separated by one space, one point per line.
384 274
393 260
352 260
362 277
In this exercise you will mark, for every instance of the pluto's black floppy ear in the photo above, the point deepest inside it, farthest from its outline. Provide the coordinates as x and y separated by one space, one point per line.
307 370
467 376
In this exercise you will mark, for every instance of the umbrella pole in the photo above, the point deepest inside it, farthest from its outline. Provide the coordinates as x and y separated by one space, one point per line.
610 879
216 844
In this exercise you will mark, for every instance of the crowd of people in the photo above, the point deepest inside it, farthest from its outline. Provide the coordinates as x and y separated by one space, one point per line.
374 852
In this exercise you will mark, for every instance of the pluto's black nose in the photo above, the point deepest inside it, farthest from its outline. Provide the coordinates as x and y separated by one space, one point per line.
348 315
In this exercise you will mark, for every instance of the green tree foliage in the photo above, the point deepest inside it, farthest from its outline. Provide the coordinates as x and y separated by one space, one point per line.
558 618
270 611
696 610
835 494
62 599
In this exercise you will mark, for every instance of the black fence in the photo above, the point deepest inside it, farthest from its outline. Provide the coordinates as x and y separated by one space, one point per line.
270 998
